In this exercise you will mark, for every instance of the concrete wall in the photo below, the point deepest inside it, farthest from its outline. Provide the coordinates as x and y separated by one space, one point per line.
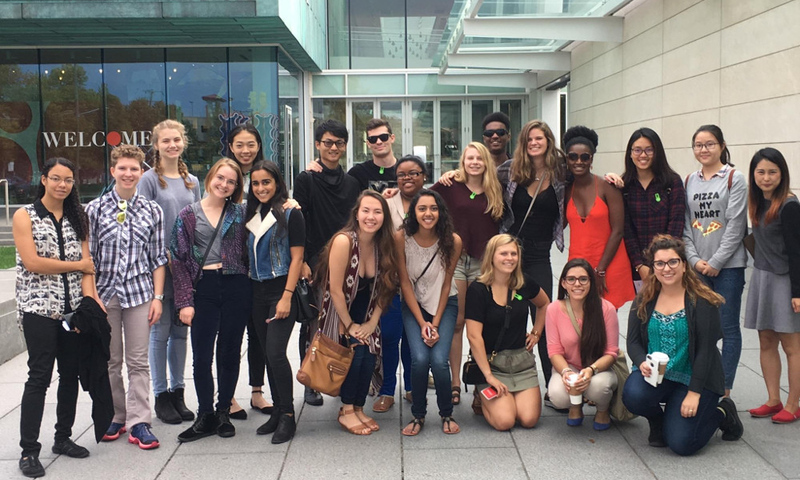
684 63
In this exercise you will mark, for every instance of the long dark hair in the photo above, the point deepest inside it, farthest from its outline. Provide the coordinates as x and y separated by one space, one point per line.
444 225
756 195
73 209
663 174
593 332
386 284
249 128
725 157
276 202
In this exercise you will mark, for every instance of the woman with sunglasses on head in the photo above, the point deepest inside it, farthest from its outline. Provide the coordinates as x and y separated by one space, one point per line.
475 202
773 300
54 272
497 329
677 314
213 292
358 269
583 344
172 187
596 218
276 244
428 252
716 222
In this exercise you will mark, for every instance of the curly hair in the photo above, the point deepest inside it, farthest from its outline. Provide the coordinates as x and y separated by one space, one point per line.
522 171
444 225
593 333
278 198
183 170
73 209
126 151
580 135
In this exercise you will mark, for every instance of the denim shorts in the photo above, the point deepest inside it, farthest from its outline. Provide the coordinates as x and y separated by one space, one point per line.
468 268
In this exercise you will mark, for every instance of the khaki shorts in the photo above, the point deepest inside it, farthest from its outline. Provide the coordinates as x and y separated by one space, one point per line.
468 268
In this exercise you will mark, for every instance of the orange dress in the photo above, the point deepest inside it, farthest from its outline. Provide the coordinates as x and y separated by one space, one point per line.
587 239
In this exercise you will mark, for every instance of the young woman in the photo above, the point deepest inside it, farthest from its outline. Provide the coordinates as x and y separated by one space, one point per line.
590 352
509 365
54 272
172 187
275 243
428 251
475 203
218 306
675 313
596 218
245 148
127 245
358 271
773 300
716 222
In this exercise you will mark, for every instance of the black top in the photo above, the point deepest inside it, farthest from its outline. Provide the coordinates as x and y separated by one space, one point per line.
482 308
537 232
374 177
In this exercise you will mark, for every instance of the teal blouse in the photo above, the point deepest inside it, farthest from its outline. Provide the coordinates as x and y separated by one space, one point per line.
670 334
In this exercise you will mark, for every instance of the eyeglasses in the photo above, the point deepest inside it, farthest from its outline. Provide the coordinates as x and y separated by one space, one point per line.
500 132
227 181
585 157
330 143
584 280
413 174
698 147
67 181
383 137
122 215
647 151
672 262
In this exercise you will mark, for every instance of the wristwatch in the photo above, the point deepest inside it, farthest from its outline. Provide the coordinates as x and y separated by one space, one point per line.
159 297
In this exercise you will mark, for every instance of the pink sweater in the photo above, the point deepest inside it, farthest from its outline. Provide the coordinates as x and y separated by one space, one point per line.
563 340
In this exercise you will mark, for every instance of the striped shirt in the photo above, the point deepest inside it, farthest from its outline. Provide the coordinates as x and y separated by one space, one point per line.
126 253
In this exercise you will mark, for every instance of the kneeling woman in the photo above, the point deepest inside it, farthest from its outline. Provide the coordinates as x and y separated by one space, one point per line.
428 251
497 320
677 314
582 339
359 269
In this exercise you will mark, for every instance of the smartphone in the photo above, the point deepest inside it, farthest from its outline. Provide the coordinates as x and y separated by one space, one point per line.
66 321
489 393
428 331
270 319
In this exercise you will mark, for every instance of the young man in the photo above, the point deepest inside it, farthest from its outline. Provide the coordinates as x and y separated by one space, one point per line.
127 245
378 173
326 199
496 134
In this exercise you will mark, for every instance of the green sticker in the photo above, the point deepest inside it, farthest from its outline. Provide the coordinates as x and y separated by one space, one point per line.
518 296
381 170
658 197
472 196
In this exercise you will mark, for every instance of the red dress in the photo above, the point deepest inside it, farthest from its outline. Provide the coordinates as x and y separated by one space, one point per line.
587 239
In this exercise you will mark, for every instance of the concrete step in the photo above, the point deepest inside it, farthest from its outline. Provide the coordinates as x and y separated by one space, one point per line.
6 236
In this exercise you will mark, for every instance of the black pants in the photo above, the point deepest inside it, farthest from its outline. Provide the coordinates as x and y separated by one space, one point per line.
255 355
541 271
273 341
47 342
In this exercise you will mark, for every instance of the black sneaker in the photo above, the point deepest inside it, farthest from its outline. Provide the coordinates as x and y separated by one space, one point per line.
204 426
69 448
270 426
312 397
731 425
31 466
656 437
225 428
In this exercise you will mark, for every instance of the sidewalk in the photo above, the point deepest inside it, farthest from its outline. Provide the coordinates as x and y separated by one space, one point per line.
321 449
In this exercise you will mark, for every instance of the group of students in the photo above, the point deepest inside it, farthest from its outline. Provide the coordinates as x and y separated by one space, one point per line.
402 272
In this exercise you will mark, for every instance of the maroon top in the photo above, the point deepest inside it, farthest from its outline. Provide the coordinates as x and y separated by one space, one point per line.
469 218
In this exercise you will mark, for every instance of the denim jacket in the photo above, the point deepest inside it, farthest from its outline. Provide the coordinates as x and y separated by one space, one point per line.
270 254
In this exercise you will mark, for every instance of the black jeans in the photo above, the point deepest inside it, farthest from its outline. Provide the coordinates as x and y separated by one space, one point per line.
47 342
273 340
222 306
541 271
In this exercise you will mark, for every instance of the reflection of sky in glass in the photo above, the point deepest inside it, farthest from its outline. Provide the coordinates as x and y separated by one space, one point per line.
131 81
189 83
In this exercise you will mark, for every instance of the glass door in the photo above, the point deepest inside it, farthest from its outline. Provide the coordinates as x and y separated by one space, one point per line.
362 112
392 112
451 133
422 122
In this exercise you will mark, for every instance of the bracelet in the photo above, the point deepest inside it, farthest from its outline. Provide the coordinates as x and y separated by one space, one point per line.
637 267
594 369
566 370
435 327
287 290
534 333
600 273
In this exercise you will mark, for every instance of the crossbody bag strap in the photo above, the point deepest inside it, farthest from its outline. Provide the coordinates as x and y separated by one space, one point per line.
506 323
210 243
533 199
428 265
571 314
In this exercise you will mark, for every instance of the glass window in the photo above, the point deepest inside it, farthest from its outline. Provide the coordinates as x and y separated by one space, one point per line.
426 23
289 84
513 108
376 84
72 92
329 108
377 34
392 112
450 112
422 133
338 35
363 112
480 108
253 88
327 85
429 85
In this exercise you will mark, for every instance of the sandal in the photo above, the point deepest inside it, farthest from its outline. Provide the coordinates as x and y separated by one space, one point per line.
476 404
456 395
359 429
417 422
369 422
267 410
447 426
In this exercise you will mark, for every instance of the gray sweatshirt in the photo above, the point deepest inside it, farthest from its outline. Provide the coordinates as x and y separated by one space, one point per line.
716 219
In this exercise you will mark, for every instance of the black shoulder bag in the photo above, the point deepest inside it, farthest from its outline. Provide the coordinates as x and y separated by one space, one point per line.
471 374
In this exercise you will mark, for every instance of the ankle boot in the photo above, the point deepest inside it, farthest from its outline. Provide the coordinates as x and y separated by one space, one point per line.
656 437
270 426
312 397
205 425
180 405
165 411
225 428
285 430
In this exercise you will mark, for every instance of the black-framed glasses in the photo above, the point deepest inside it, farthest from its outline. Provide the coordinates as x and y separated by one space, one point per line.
698 147
500 132
672 263
383 137
583 280
414 174
585 157
647 151
330 143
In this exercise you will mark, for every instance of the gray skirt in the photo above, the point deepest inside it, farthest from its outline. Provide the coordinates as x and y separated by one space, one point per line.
769 303
515 368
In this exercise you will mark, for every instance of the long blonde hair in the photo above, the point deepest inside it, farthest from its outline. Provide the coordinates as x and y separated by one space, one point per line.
183 170
491 185
487 267
522 169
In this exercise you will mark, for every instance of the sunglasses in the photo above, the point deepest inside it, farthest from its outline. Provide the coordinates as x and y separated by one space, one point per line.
585 157
383 137
122 214
500 132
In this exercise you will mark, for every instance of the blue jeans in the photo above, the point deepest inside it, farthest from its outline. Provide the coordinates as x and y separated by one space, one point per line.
435 358
222 306
356 385
730 284
685 436
391 333
167 348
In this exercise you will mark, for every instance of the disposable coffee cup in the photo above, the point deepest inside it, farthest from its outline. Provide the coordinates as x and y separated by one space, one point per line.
657 361
572 379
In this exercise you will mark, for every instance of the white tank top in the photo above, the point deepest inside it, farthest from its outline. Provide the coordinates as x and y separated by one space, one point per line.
428 287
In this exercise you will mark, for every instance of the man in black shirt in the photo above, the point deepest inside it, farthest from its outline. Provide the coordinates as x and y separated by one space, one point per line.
378 173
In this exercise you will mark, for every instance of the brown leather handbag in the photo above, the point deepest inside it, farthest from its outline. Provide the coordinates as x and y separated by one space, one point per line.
325 365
